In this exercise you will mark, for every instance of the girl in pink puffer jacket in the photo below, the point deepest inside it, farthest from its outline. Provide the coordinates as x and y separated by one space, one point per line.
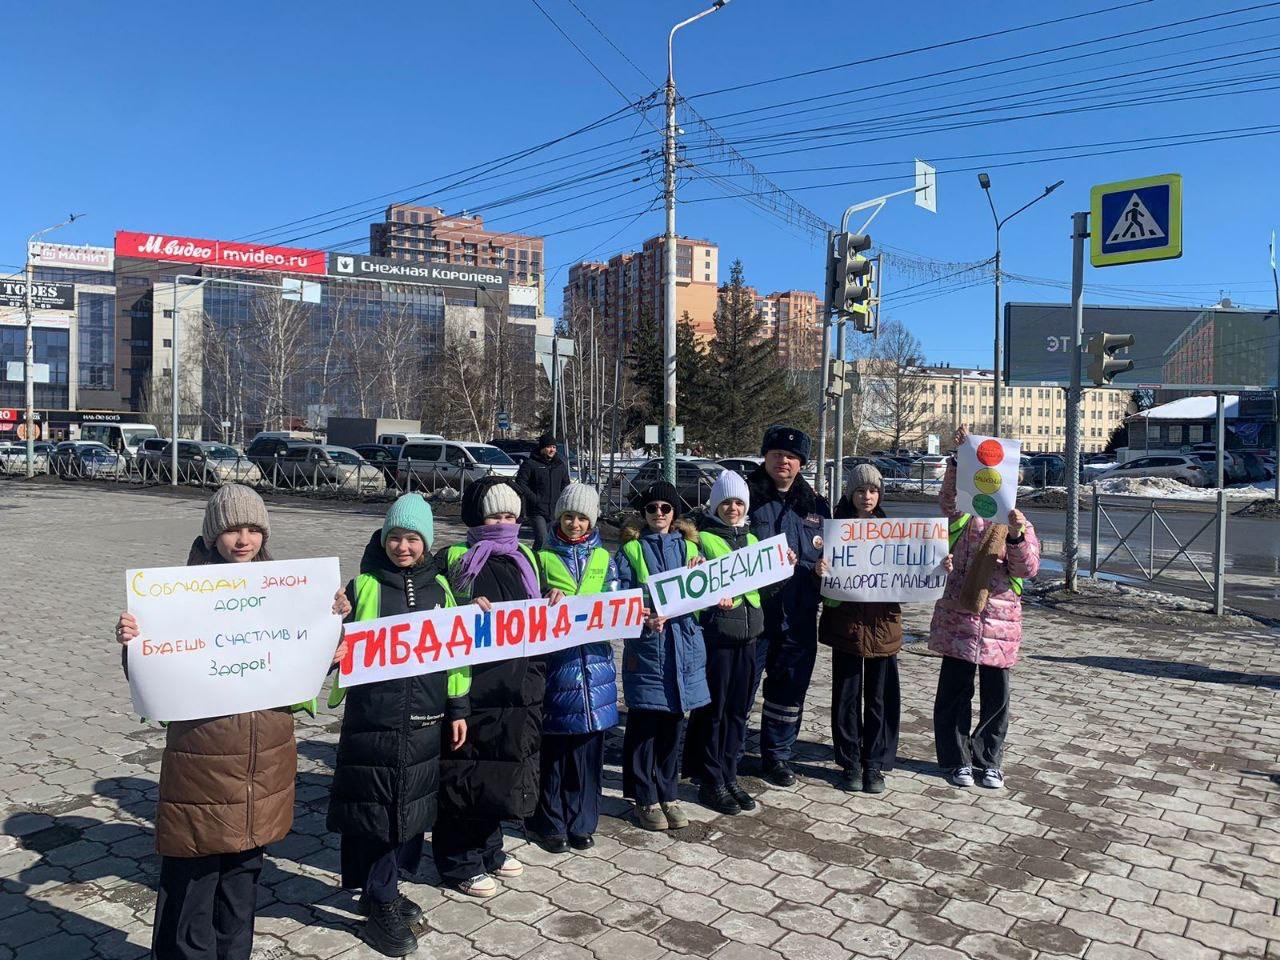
977 627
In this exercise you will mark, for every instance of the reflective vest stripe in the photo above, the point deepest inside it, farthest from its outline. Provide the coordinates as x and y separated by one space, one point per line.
369 606
635 556
953 534
713 546
557 575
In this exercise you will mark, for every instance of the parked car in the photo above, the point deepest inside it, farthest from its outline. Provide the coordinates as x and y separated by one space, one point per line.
149 456
1233 468
87 459
384 456
449 463
124 438
1043 470
694 477
1269 464
205 463
332 467
267 449
1255 470
1183 468
932 466
743 466
13 458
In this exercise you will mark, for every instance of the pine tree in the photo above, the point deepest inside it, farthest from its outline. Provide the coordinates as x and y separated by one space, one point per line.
749 389
644 366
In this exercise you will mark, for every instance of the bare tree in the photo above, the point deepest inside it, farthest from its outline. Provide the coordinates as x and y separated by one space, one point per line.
895 386
398 344
279 329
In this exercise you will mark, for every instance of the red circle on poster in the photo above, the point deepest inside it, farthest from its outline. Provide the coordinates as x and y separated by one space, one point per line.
990 453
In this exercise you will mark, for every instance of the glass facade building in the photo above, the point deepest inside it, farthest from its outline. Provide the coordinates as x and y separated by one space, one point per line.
52 346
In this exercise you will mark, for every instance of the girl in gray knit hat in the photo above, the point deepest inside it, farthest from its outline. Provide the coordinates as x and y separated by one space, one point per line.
215 815
864 640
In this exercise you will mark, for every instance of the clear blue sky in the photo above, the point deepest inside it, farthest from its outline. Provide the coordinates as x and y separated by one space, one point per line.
236 120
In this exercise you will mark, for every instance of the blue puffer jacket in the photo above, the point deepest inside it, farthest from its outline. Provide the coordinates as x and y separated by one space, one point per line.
666 672
582 683
791 606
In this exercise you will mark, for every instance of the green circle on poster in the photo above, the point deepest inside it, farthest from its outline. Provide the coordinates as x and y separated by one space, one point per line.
984 506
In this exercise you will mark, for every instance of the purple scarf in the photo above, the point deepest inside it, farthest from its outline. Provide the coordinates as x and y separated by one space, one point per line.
496 539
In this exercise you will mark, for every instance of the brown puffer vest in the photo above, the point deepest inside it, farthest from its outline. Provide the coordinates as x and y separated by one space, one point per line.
226 783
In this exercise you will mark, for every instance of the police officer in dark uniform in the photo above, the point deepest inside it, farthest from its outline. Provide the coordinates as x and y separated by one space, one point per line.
783 502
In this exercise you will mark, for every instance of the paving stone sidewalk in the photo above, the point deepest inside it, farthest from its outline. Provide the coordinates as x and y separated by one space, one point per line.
1139 820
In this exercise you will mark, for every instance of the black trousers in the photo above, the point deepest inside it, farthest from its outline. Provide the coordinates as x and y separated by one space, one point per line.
374 866
952 715
569 790
651 756
465 847
866 707
786 659
205 906
539 525
717 732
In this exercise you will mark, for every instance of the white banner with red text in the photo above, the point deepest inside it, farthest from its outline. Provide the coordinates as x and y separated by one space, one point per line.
231 638
427 641
690 589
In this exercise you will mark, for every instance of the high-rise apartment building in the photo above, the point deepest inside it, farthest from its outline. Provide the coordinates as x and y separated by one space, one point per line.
412 232
794 318
630 286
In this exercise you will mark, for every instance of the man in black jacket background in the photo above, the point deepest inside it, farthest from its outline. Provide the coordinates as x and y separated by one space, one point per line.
544 475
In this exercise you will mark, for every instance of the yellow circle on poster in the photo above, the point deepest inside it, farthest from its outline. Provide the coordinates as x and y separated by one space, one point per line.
987 480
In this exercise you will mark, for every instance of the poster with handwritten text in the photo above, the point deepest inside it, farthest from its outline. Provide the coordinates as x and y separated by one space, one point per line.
231 638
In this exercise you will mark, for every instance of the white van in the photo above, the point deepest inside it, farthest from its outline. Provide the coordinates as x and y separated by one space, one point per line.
124 438
400 439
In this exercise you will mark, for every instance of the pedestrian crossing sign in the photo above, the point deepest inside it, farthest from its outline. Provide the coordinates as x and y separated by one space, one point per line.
1136 220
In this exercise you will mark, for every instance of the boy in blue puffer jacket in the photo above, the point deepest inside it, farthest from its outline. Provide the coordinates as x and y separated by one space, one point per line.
581 701
664 670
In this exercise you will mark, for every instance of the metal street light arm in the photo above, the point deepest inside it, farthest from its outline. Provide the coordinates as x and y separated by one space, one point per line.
1030 203
680 26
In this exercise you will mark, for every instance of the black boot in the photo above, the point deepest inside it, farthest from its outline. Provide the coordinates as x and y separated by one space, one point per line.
719 799
780 774
552 843
387 932
872 780
848 781
411 912
745 800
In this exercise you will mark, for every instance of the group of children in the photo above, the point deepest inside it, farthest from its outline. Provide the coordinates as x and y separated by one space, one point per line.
458 753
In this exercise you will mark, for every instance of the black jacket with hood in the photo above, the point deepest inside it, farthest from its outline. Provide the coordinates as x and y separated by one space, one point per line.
544 480
388 767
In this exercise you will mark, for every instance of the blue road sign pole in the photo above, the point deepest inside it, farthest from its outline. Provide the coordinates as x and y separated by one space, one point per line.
1071 540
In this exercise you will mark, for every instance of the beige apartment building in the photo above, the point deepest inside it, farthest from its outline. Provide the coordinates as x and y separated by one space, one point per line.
942 397
794 318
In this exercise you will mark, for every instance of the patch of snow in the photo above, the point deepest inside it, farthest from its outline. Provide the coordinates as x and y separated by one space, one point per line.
1170 489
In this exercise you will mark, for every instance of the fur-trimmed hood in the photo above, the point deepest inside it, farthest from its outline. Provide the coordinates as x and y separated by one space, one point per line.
635 529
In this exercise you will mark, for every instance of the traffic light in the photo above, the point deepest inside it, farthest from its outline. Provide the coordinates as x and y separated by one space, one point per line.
853 276
838 382
1102 347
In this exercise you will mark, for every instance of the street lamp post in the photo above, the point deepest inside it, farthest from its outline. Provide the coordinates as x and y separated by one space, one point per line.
984 181
669 252
29 354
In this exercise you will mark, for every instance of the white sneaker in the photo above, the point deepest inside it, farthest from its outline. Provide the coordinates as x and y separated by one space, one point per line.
480 885
511 868
961 777
992 779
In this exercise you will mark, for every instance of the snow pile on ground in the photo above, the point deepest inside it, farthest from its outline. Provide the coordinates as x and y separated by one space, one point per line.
1169 489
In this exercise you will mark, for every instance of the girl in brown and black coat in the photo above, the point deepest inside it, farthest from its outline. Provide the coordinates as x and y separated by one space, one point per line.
226 783
864 640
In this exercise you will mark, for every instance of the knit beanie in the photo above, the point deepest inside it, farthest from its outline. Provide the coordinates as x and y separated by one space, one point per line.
865 475
234 505
786 438
410 512
662 492
579 498
728 486
546 440
500 498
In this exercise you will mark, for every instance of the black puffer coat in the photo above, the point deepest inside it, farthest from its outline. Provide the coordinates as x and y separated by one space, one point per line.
388 769
545 480
495 773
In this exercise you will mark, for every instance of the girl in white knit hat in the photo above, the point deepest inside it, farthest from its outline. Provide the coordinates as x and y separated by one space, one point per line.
582 682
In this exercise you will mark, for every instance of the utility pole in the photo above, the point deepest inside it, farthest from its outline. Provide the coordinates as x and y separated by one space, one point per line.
824 402
29 353
1071 541
984 181
1275 399
669 258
